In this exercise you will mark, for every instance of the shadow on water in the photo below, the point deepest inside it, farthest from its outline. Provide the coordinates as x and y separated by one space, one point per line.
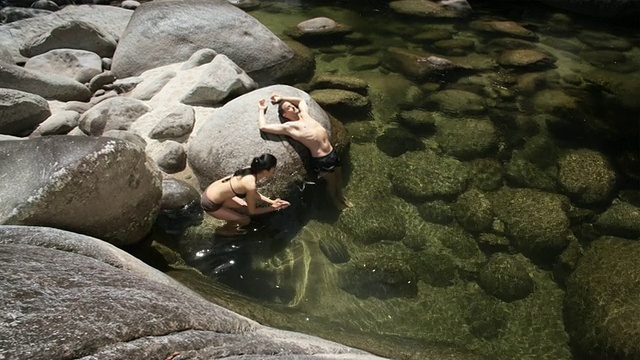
231 259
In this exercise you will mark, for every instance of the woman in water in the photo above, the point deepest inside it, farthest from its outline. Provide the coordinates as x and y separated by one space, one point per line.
223 199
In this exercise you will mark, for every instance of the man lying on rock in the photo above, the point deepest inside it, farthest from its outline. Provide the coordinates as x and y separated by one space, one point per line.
302 127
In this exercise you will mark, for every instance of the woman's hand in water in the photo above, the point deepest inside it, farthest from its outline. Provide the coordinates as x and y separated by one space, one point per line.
280 204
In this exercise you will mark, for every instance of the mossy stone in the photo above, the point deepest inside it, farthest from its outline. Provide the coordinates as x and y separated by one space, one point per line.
505 277
601 303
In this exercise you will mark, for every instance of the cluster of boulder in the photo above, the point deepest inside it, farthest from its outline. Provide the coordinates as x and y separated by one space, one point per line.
128 114
122 115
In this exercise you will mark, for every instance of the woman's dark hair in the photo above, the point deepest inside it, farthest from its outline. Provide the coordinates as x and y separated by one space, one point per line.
262 162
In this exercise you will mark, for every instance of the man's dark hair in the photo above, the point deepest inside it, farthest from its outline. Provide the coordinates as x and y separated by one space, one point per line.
281 111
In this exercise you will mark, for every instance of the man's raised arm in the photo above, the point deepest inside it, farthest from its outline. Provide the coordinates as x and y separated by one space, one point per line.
280 129
297 101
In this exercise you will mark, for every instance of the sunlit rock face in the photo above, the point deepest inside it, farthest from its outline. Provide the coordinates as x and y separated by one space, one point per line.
70 296
217 25
101 187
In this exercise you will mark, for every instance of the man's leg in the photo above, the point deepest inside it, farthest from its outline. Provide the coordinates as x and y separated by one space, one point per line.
334 188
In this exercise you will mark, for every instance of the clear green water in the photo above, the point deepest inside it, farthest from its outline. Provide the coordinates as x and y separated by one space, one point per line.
381 277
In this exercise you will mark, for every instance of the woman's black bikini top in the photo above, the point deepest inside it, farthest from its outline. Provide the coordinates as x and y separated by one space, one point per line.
232 189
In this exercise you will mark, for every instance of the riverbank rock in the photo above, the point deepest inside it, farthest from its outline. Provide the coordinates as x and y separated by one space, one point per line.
188 26
101 187
601 304
21 112
75 34
80 65
15 35
59 285
49 86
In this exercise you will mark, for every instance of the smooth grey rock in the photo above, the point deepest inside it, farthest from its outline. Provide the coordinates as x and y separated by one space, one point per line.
176 125
169 155
10 14
130 4
221 81
200 57
101 187
148 88
49 86
177 194
45 5
117 113
188 26
100 80
80 65
60 284
21 112
75 34
57 124
110 18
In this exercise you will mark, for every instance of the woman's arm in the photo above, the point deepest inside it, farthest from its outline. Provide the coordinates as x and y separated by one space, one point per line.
253 195
265 199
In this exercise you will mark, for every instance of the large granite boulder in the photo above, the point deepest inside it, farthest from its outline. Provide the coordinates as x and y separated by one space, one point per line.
188 26
71 296
601 304
101 187
230 139
15 35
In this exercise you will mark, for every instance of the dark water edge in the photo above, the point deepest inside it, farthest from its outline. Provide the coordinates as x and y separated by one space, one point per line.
281 275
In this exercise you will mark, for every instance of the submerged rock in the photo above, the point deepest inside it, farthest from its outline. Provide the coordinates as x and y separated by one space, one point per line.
601 307
506 278
536 221
423 175
586 176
